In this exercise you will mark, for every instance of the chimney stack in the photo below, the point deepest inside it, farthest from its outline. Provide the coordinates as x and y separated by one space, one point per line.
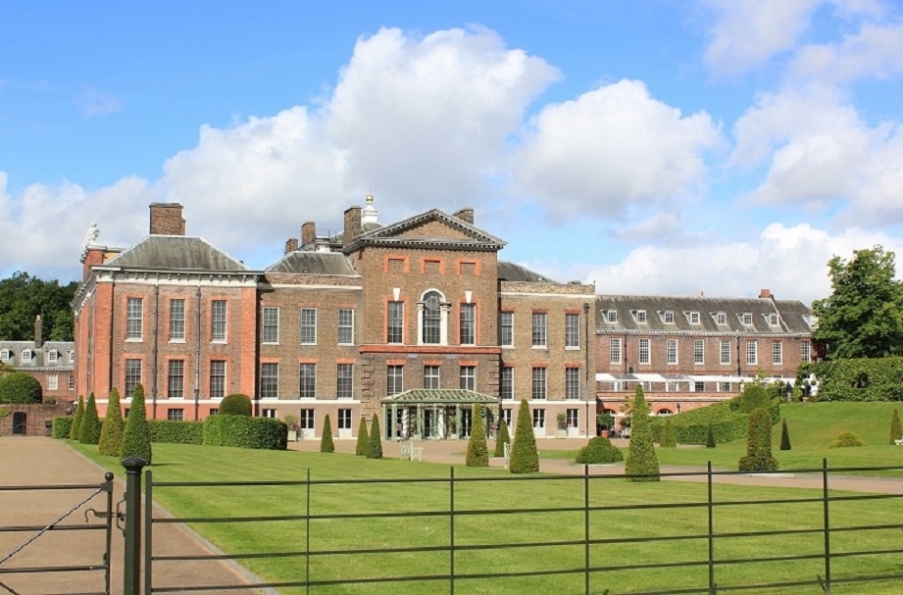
352 225
766 293
465 214
308 233
166 219
291 245
38 341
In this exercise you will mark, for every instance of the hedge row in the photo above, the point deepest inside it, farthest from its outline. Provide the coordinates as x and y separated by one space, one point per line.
877 379
729 423
177 432
62 426
245 432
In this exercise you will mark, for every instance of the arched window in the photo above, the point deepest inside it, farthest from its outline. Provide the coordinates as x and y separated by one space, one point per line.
433 320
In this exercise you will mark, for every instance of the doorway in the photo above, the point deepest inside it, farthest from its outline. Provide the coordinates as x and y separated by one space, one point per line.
20 422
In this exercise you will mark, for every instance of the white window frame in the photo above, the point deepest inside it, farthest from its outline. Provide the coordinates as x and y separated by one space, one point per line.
53 356
344 385
175 379
644 351
219 321
269 380
752 353
694 317
777 352
539 326
217 376
5 355
269 323
53 382
571 330
725 353
346 326
720 318
640 316
134 319
805 351
539 419
468 378
307 380
698 352
394 379
177 320
611 316
27 354
615 353
572 383
395 322
539 388
345 419
308 328
506 383
746 319
307 419
468 324
671 352
668 317
506 329
432 377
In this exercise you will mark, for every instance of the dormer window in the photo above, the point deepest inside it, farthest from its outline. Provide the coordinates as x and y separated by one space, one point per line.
668 317
720 318
746 319
26 355
693 317
611 316
774 319
640 316
71 357
4 355
53 355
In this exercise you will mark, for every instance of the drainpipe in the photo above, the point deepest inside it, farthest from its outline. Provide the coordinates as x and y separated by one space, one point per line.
156 351
197 349
586 375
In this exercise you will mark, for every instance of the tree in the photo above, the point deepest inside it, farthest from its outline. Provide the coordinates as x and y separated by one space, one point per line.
113 427
502 439
710 435
326 444
375 444
89 433
477 451
896 431
669 436
76 429
863 316
641 459
785 436
524 456
23 297
363 439
136 441
758 444
21 388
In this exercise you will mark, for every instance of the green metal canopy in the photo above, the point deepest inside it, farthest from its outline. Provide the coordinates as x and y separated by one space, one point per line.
449 396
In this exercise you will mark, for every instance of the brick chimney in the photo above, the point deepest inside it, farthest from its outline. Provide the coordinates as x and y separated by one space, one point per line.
465 214
166 219
308 233
291 245
352 225
766 293
38 340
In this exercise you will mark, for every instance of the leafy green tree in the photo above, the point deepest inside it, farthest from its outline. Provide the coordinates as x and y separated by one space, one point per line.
863 316
758 444
113 427
20 388
136 440
477 451
5 369
669 436
502 439
375 444
326 444
235 404
90 430
710 435
363 439
76 429
23 297
641 457
896 431
785 436
524 455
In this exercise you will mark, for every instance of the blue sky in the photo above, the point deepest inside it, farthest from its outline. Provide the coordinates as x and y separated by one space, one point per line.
650 147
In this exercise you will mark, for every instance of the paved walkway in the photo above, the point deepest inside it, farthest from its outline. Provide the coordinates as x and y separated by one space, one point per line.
453 452
39 461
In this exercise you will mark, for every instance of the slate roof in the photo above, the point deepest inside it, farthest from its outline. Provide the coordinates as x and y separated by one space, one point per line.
176 253
792 316
508 271
314 263
39 359
448 396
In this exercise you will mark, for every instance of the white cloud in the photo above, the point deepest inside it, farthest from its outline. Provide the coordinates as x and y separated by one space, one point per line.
790 261
747 33
92 102
612 148
874 51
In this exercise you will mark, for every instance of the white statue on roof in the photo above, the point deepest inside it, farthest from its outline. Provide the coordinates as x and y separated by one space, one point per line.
91 235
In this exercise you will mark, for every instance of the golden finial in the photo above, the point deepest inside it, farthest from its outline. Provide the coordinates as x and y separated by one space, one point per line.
369 199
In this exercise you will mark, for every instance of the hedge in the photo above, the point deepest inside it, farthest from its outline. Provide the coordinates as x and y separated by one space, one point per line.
62 426
176 432
245 432
20 388
729 423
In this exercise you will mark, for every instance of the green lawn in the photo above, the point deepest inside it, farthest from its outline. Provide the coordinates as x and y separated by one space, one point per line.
482 524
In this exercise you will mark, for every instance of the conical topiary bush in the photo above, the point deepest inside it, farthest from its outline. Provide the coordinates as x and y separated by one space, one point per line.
642 461
477 452
710 436
136 440
758 444
785 436
524 456
502 439
110 444
363 439
669 436
75 430
375 445
326 444
90 430
896 430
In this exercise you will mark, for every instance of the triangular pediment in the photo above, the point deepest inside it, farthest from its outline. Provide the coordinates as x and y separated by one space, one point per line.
432 228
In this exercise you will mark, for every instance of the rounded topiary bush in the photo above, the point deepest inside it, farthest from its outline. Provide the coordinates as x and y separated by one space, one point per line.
20 388
599 451
846 440
235 404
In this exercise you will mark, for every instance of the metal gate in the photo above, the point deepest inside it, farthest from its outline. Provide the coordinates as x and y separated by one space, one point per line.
26 570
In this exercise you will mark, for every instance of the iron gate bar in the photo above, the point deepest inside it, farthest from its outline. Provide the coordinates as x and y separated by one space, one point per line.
452 547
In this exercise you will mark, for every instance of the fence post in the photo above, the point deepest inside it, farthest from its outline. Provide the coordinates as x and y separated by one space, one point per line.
825 499
148 533
132 560
586 524
451 524
307 539
107 487
711 510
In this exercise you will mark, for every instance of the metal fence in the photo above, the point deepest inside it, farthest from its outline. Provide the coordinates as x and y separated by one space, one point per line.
69 523
711 567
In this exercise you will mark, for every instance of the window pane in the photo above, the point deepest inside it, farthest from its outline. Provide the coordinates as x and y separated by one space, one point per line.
698 351
346 326
469 377
308 326
539 329
644 351
308 375
506 328
217 379
176 379
269 380
344 419
572 330
394 380
539 383
468 324
218 320
176 320
134 318
572 383
671 351
132 375
430 376
270 325
394 332
506 388
432 318
614 347
345 381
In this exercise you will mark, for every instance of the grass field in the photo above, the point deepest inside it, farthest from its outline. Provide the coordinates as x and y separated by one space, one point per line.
492 513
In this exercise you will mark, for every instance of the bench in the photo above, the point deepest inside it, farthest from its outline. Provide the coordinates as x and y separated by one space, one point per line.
899 442
410 452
